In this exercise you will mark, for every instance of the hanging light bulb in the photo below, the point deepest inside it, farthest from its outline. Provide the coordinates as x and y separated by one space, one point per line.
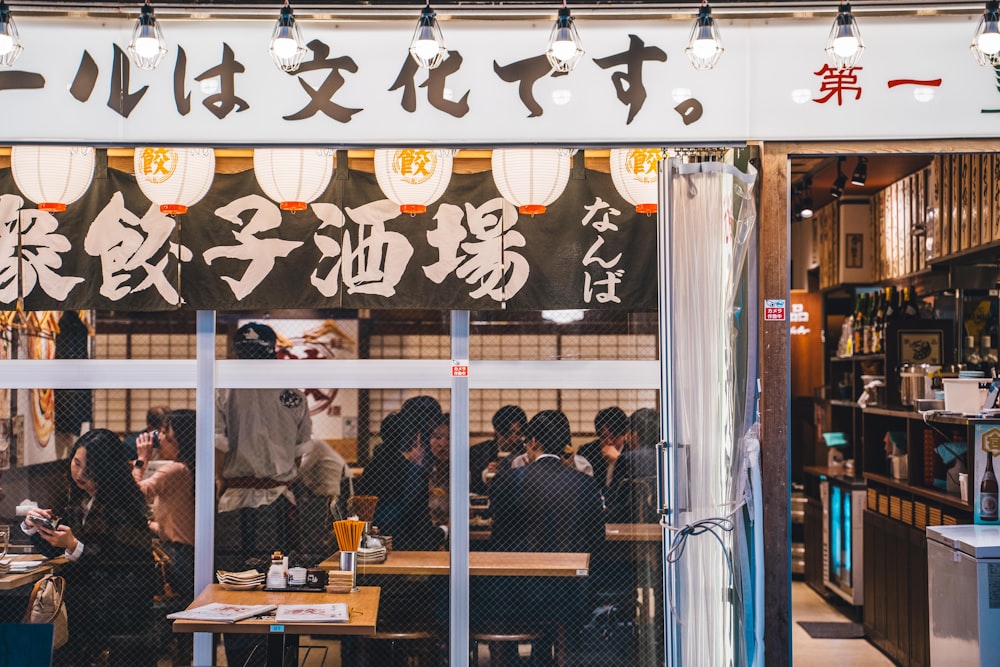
844 45
287 48
704 46
147 46
806 200
565 48
985 45
10 41
427 46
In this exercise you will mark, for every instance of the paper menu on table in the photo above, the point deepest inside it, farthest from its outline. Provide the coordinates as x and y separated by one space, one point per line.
333 612
222 612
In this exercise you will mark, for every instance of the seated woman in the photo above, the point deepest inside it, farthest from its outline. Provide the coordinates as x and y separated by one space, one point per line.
170 490
110 576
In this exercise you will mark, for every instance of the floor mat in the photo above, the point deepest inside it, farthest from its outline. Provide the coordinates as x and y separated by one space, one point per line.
833 630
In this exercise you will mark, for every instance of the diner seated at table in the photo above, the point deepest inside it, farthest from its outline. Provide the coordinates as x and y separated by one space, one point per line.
543 506
398 475
103 533
488 457
631 498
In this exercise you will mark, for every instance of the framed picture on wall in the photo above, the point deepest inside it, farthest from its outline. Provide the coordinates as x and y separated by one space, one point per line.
920 347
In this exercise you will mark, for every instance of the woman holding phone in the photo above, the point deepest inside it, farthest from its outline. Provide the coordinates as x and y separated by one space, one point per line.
110 575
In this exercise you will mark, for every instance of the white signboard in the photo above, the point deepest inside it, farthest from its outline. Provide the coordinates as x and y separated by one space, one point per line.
358 87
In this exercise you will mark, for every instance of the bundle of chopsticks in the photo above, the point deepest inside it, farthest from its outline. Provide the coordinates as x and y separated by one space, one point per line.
348 532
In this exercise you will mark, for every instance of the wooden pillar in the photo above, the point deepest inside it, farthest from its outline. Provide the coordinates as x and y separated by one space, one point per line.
774 276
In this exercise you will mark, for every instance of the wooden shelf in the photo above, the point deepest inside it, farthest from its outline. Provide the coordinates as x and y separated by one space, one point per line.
843 402
923 491
893 412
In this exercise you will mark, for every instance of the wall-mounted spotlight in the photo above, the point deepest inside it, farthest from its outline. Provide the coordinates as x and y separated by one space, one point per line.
10 40
860 174
806 200
565 48
985 45
427 46
704 47
841 181
844 45
287 47
147 46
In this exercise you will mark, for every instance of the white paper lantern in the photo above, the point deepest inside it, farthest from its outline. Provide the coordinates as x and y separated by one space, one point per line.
531 178
633 171
52 176
413 178
293 177
174 178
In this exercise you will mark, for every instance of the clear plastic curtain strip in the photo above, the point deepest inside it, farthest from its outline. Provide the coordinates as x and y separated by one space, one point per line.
712 217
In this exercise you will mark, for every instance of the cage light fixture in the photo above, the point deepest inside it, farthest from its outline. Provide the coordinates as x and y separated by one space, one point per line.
841 181
10 40
287 47
985 45
427 48
844 45
860 174
565 49
704 45
147 46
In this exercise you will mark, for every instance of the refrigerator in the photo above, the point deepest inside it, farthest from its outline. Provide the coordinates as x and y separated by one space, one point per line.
963 580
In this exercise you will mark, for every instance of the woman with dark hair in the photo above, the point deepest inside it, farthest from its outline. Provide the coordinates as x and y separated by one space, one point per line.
170 490
110 577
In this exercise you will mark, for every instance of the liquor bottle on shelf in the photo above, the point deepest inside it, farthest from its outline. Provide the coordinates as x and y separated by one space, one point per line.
858 325
910 308
988 492
878 324
891 308
867 326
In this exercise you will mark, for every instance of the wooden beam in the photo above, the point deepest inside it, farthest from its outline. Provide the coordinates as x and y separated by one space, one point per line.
774 275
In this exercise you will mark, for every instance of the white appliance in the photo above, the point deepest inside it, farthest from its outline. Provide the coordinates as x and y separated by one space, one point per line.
963 580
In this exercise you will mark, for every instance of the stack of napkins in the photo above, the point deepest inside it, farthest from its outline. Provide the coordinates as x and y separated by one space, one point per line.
375 555
4 566
247 580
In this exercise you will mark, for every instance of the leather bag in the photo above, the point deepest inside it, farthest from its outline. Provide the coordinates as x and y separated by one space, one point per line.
46 605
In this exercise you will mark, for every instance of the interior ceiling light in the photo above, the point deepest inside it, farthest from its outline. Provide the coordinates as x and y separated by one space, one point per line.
565 48
427 46
147 46
841 181
806 201
985 45
704 47
860 174
844 46
10 41
287 48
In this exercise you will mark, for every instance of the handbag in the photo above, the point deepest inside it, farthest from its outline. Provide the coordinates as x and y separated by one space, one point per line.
46 605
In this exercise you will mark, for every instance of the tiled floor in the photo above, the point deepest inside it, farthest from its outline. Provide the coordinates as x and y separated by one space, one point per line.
808 606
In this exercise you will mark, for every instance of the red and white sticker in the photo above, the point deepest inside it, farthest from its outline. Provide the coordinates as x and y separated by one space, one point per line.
774 310
460 368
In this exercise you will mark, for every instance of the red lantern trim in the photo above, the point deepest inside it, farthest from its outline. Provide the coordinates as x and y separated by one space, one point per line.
412 209
648 209
173 209
51 206
293 206
532 209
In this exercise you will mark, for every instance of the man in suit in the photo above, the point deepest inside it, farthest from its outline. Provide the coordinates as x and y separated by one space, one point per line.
543 506
609 425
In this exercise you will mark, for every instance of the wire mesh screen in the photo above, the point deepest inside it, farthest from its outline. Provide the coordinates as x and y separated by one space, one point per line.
563 473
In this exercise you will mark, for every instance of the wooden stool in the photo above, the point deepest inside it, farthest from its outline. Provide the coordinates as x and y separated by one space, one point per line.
407 648
501 636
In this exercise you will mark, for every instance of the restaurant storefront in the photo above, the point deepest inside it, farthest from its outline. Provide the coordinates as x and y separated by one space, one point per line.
341 280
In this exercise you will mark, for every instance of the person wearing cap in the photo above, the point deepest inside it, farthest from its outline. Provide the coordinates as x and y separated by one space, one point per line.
256 435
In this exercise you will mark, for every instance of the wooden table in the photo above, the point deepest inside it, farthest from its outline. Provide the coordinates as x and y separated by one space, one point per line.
14 580
481 564
363 605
